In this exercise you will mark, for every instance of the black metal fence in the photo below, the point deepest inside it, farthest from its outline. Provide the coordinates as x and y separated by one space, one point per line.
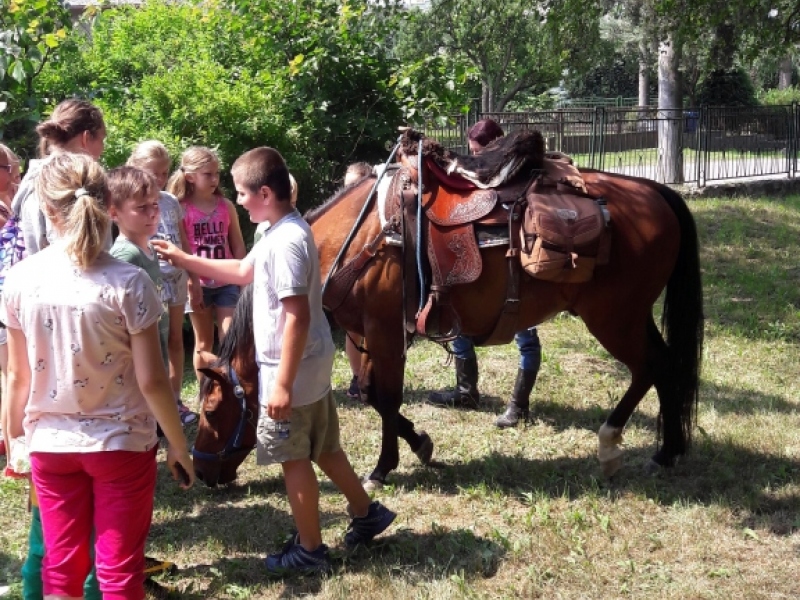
706 143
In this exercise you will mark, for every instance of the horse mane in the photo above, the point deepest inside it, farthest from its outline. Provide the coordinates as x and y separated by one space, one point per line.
315 213
239 336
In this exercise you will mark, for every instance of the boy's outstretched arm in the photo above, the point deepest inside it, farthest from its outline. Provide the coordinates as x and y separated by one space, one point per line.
234 271
295 334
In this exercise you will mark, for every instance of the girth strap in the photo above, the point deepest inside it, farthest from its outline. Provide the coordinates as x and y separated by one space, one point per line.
345 278
506 325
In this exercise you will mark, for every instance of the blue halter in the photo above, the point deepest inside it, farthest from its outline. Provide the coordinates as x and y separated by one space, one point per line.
234 444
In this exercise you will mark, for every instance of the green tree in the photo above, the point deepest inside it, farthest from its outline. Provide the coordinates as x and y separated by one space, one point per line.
32 34
509 46
309 78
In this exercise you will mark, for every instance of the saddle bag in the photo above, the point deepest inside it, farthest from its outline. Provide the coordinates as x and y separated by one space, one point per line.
564 234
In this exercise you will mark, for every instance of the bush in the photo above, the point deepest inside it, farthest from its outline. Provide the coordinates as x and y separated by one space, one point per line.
727 88
776 97
308 80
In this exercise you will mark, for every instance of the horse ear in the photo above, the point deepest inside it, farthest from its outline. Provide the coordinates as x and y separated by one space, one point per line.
215 374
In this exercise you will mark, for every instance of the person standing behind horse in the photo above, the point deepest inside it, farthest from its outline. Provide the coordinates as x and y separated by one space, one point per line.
212 229
87 386
480 135
298 423
152 157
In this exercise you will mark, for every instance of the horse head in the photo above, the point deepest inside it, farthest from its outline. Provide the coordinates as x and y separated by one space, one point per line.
229 402
227 430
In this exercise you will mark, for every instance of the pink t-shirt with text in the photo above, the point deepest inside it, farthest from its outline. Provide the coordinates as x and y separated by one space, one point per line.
208 233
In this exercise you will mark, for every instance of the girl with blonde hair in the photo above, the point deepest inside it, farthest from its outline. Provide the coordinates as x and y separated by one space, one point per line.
212 229
87 387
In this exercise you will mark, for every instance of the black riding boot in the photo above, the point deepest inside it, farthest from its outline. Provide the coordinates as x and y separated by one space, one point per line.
520 400
466 392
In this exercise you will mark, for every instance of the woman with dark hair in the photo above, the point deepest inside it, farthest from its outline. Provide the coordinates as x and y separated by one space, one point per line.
480 135
483 133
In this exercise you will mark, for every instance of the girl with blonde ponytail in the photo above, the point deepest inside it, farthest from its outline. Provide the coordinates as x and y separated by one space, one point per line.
86 388
72 190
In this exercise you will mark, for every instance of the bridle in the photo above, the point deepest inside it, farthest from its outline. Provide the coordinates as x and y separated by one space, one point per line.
233 447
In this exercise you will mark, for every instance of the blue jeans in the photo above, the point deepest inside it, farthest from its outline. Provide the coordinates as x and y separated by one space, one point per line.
530 350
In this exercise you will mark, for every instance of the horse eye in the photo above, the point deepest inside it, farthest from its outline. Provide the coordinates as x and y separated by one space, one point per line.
209 413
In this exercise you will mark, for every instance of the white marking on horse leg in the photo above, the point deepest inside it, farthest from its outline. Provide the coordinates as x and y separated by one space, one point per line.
609 452
371 485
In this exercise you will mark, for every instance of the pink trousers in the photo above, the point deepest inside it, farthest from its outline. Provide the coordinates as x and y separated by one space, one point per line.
110 493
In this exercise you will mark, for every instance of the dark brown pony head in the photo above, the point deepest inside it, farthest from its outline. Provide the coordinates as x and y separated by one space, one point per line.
229 401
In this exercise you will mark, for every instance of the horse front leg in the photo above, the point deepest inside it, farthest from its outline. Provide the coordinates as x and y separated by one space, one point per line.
382 382
420 442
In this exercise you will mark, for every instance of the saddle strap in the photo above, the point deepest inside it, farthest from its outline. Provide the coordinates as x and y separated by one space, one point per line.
506 325
345 278
438 314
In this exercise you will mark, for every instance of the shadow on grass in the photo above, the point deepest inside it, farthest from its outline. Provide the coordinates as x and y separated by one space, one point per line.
439 555
735 400
11 575
713 474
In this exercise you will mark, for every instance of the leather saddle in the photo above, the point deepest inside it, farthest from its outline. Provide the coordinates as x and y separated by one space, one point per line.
443 226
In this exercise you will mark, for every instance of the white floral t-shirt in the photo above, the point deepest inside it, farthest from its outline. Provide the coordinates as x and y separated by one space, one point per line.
78 324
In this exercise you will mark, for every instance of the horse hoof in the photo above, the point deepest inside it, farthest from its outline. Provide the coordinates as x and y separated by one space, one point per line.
608 451
425 450
651 467
372 485
611 466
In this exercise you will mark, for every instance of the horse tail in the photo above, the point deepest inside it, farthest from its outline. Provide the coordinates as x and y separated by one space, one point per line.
682 326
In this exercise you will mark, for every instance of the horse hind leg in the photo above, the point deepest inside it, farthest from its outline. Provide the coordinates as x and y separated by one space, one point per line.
610 435
670 418
654 371
641 353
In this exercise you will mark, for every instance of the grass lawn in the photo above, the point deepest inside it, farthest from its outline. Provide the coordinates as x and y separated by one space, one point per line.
526 513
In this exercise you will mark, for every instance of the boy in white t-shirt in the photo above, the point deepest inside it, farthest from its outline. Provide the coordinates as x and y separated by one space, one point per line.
298 422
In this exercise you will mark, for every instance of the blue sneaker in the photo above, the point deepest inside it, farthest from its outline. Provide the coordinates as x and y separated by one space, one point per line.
363 529
294 559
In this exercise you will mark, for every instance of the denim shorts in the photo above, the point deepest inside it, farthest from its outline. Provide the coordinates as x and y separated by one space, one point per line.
224 297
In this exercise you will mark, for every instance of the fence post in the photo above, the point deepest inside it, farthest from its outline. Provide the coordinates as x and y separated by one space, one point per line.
704 137
593 139
697 142
793 142
602 144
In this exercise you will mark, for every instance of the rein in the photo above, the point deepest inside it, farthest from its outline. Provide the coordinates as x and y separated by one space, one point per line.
359 220
233 446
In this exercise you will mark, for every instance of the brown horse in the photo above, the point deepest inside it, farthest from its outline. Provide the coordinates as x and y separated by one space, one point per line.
654 247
